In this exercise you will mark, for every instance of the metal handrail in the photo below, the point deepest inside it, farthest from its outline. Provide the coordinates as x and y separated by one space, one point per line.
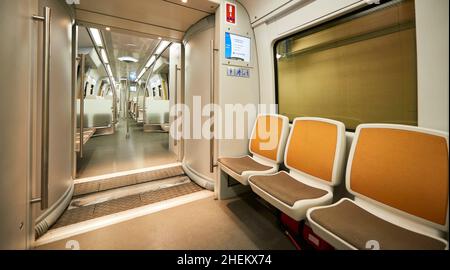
45 129
82 70
176 104
211 115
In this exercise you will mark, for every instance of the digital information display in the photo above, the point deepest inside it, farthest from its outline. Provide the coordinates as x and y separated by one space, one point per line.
237 47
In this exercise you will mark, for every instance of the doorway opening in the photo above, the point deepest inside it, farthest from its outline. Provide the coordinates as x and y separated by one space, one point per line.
126 85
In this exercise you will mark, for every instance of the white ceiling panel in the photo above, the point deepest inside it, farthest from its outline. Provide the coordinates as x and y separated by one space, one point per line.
167 18
201 5
137 25
120 44
84 41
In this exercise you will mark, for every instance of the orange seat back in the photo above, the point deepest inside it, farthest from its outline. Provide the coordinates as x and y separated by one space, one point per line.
316 147
402 167
269 137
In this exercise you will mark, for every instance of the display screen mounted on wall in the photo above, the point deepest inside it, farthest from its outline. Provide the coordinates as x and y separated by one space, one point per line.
237 47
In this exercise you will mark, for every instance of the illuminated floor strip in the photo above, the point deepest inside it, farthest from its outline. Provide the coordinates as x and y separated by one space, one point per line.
94 224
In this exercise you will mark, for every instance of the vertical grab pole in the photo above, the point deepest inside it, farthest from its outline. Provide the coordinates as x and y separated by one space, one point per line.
128 110
176 116
138 107
212 100
83 63
175 141
144 111
113 88
75 62
45 129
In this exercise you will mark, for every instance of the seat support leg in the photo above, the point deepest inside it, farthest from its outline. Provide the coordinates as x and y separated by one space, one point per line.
224 191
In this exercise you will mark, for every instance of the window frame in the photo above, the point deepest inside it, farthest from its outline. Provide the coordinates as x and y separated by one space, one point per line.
324 25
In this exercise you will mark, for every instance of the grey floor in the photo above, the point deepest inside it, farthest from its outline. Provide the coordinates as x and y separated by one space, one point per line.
240 223
115 153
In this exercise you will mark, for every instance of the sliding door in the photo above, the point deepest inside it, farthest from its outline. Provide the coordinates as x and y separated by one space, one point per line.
198 93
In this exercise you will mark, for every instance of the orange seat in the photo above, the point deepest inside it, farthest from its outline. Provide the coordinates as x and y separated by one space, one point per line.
399 176
266 146
315 155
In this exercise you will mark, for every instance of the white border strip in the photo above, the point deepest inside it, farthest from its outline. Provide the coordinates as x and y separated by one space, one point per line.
124 173
94 224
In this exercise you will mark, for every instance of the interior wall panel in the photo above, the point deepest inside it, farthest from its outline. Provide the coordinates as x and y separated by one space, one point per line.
432 49
60 152
258 9
432 59
235 90
16 73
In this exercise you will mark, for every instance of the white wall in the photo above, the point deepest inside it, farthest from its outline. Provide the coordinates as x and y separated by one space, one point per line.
155 82
297 15
60 124
197 82
16 95
93 78
259 9
235 90
286 20
432 63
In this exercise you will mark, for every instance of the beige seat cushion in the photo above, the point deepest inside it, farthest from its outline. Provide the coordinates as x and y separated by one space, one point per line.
285 188
243 164
356 226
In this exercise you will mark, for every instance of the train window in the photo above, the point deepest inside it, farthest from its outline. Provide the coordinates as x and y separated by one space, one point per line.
357 69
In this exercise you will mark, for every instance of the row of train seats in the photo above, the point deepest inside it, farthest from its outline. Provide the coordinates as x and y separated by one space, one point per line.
97 112
157 111
397 174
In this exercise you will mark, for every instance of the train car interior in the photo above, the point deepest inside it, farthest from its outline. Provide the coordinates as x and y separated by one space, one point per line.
129 118
294 125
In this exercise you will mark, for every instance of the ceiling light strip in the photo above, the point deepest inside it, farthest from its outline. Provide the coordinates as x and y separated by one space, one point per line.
160 49
97 40
96 36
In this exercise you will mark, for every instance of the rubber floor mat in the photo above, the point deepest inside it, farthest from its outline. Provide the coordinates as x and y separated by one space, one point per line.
126 180
84 213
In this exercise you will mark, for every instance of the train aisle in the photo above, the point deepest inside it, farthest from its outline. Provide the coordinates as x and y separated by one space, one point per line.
115 153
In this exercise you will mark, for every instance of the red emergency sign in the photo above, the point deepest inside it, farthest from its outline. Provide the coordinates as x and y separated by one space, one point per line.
231 13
